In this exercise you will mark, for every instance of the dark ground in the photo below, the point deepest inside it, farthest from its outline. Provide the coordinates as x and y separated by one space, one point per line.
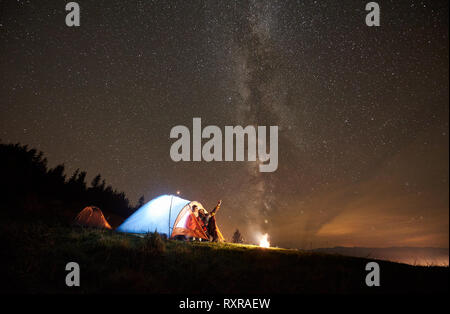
35 252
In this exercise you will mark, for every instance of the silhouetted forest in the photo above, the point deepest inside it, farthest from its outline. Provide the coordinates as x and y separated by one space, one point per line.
27 184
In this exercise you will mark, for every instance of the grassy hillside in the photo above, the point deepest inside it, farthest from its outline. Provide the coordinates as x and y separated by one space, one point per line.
34 255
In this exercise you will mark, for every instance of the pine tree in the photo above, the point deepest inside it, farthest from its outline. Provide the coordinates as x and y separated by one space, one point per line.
237 237
74 176
96 181
140 202
81 179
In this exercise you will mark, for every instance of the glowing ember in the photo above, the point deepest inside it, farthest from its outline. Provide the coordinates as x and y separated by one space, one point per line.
264 242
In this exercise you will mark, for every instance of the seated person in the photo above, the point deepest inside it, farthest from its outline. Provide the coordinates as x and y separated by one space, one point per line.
209 222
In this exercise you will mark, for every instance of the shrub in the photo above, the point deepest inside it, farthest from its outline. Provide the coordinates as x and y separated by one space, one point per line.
153 244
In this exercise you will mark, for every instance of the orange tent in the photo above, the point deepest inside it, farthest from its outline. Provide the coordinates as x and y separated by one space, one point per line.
92 216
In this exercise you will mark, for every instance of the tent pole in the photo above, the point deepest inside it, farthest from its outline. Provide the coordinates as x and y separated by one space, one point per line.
170 211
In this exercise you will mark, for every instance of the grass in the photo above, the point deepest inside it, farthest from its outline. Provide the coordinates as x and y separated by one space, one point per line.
36 254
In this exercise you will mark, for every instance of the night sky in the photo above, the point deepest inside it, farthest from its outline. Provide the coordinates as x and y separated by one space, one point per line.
362 111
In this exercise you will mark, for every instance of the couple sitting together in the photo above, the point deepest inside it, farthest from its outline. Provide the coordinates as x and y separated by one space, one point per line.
207 221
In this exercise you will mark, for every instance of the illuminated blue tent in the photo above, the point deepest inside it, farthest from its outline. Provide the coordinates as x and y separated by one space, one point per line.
159 215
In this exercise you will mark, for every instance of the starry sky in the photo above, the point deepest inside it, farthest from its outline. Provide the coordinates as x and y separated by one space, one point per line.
362 111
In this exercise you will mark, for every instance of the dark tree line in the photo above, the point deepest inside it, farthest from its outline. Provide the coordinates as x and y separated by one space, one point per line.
27 183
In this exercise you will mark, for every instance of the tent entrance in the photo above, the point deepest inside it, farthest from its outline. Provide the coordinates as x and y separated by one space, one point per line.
187 224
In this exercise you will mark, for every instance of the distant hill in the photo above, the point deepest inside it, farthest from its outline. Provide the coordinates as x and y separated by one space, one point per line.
426 256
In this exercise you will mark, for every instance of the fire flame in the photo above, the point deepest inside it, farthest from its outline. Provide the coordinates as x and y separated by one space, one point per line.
264 242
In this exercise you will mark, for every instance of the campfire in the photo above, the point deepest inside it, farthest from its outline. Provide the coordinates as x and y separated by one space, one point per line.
264 242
